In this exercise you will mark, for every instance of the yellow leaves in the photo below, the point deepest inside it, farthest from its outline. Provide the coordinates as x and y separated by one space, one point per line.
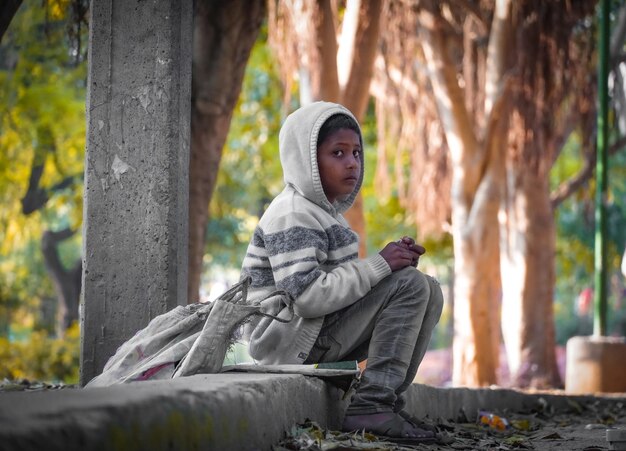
522 424
42 357
12 227
37 71
57 9
42 116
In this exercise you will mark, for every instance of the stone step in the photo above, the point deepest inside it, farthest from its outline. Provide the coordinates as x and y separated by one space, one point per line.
233 411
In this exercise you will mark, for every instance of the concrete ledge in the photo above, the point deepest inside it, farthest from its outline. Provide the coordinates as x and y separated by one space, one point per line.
217 411
235 411
448 403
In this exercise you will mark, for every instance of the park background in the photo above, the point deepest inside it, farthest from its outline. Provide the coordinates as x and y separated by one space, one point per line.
528 117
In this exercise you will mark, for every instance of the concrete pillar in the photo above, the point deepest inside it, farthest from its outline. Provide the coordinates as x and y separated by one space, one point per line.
135 224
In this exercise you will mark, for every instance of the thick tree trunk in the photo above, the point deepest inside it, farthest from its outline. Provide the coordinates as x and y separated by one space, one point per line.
547 86
67 283
476 184
224 33
476 348
528 275
476 293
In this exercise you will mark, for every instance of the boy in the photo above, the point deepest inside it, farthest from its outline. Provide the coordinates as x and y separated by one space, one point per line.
380 308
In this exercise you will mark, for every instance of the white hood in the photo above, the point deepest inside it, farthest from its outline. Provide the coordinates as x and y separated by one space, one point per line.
298 153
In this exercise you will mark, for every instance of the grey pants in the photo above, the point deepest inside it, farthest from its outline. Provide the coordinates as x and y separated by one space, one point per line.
391 327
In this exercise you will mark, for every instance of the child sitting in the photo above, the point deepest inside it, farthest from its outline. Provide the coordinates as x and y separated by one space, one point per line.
346 308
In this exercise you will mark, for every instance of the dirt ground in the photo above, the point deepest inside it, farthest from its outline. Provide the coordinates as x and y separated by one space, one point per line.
580 428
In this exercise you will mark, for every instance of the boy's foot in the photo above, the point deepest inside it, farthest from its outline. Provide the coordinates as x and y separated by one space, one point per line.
440 437
417 422
389 426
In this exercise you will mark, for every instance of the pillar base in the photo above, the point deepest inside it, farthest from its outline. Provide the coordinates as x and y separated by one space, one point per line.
596 364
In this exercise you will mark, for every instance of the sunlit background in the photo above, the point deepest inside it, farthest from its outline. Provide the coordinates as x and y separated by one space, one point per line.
43 70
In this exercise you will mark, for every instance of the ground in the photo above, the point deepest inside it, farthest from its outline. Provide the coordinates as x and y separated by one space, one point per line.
581 428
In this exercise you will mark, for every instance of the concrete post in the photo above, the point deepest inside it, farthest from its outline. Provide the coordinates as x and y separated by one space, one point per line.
595 365
135 224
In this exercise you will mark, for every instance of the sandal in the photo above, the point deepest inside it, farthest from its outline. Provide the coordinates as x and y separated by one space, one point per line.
390 427
418 423
441 438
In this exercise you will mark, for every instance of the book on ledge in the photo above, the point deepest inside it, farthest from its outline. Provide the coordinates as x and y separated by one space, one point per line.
328 369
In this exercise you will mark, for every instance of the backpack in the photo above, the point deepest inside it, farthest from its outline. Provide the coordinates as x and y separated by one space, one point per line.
187 340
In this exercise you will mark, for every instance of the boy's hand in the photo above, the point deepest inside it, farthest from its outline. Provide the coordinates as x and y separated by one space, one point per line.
417 249
402 253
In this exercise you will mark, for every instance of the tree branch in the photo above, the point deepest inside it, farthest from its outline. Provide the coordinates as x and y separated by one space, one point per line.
356 93
49 242
474 10
36 197
66 282
455 119
572 185
326 42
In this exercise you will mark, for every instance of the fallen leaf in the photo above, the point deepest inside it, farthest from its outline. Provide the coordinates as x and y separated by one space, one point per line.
517 441
553 436
575 406
522 425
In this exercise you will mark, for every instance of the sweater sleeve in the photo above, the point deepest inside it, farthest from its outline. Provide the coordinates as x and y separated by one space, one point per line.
298 246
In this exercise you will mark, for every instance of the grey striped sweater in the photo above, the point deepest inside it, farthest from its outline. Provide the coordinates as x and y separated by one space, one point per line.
304 245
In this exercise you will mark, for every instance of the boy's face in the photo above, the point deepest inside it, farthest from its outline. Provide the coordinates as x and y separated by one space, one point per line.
339 160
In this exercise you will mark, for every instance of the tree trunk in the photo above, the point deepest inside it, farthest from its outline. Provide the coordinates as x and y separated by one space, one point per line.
547 85
524 69
528 274
224 33
67 283
477 174
476 292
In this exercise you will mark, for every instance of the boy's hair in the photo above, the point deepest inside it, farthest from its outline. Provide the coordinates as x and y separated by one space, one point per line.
334 123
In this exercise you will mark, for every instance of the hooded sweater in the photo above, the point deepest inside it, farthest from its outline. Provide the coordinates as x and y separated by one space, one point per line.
303 245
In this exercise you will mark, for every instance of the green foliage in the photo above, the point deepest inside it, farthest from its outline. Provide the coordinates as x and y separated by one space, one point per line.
576 236
250 174
42 357
42 123
575 246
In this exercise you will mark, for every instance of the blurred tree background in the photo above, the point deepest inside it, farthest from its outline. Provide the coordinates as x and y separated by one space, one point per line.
42 140
43 67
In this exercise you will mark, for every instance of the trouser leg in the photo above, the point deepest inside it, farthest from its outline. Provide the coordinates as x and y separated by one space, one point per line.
387 321
431 318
